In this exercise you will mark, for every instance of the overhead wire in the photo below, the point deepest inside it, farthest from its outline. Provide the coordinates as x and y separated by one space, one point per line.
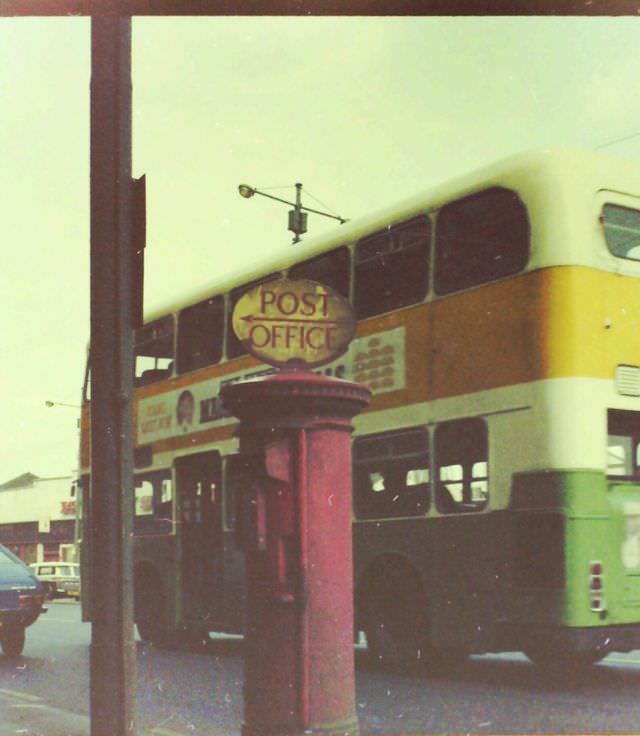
326 206
617 140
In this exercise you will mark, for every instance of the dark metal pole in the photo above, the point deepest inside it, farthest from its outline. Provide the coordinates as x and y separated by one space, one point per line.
297 214
112 643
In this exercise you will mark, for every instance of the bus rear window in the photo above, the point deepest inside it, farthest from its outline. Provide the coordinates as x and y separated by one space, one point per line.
622 231
479 239
391 268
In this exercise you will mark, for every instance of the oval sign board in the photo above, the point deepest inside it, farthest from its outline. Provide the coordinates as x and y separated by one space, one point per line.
286 322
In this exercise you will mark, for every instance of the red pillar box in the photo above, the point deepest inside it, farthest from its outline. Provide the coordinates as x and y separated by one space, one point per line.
299 662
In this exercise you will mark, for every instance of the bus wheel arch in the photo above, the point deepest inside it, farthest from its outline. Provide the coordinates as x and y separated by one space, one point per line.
392 609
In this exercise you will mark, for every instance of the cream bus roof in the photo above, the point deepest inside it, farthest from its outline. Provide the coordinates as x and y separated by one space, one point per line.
563 169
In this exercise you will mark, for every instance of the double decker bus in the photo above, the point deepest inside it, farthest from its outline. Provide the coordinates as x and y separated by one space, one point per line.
496 472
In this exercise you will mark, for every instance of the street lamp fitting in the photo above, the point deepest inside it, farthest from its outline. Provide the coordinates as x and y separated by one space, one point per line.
297 216
246 191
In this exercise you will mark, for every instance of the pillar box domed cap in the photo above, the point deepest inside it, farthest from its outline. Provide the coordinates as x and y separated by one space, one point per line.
292 394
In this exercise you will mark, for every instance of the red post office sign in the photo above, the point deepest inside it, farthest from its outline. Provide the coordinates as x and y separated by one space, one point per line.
286 322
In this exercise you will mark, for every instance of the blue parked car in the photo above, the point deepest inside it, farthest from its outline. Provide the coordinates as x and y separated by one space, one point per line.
21 599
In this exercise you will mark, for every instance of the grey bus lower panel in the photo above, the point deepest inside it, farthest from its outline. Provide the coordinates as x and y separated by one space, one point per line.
621 638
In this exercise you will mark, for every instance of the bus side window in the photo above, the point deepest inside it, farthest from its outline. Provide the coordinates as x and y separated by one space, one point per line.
623 443
154 351
200 334
391 475
479 239
234 347
391 268
153 503
144 497
619 455
330 269
461 455
622 231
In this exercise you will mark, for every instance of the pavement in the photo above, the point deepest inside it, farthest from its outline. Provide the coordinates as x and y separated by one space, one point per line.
22 714
29 715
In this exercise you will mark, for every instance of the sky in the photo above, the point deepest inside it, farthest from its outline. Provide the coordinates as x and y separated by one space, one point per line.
363 111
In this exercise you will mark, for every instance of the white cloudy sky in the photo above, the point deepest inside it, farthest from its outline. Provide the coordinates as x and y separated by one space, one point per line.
363 111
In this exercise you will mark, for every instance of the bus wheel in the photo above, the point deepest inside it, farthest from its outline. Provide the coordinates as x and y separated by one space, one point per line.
13 640
150 611
560 660
394 621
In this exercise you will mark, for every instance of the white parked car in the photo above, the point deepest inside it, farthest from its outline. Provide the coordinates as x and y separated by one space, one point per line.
60 579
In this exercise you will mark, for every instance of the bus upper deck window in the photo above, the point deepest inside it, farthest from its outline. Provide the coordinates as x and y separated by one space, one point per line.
480 238
234 347
154 351
391 269
622 231
200 334
330 269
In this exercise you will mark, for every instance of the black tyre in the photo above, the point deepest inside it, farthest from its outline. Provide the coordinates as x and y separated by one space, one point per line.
150 615
191 639
561 660
13 638
447 660
395 620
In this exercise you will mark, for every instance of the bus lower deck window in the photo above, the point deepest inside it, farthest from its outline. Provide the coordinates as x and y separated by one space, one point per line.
391 475
461 456
623 443
153 510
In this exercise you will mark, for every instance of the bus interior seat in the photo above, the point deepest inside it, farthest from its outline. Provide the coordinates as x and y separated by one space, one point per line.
154 374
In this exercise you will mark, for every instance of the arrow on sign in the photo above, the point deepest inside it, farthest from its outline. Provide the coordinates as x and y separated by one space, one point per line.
253 318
